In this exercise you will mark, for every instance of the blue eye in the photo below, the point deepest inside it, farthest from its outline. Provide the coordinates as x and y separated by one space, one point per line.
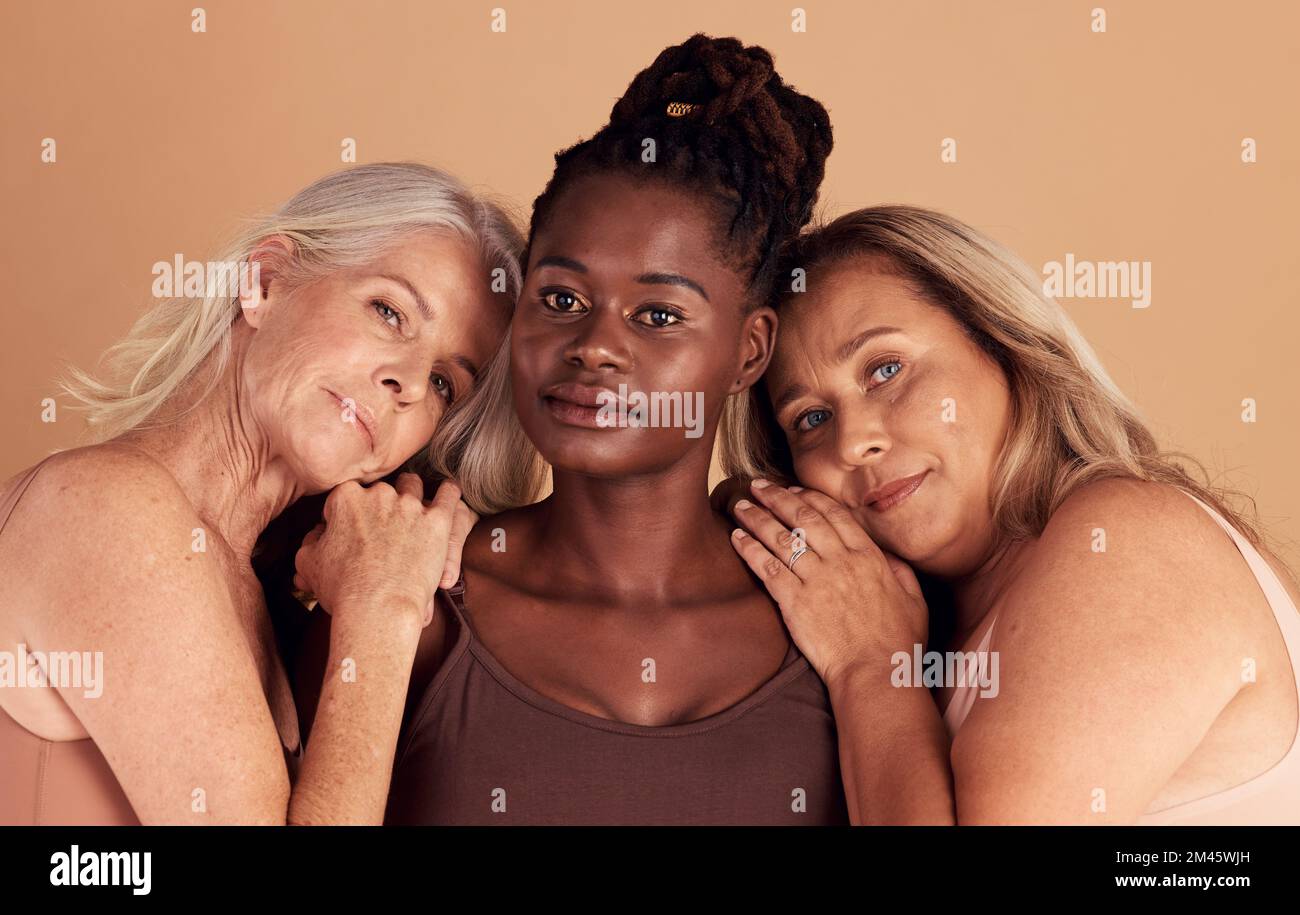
447 390
895 366
387 313
813 419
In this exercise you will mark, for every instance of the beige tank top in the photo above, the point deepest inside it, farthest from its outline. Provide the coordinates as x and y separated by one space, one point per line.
1271 798
59 783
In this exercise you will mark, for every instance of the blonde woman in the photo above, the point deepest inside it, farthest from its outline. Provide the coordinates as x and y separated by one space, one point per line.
372 312
1141 647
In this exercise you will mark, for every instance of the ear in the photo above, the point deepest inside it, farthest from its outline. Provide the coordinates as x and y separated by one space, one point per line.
757 339
264 264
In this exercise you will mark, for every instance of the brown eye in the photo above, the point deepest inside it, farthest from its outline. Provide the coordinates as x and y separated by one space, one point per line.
561 300
659 317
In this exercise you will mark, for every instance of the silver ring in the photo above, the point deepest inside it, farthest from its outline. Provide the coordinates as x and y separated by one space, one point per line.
794 557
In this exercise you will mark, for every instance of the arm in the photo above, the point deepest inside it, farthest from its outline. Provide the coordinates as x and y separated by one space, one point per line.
181 716
1113 665
893 749
183 719
849 608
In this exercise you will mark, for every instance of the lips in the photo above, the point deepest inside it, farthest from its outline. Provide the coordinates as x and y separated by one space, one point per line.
579 404
363 415
886 497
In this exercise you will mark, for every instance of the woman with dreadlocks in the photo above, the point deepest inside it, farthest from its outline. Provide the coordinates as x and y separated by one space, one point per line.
606 657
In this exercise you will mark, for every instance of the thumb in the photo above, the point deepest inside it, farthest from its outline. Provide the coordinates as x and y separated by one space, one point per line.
462 523
905 576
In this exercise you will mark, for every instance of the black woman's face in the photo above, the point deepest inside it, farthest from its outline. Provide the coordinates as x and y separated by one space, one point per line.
627 295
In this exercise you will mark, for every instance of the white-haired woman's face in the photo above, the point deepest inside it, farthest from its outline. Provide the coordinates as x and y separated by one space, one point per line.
890 408
348 376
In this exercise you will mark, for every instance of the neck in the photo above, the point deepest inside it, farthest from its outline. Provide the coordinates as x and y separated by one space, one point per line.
222 461
644 538
977 592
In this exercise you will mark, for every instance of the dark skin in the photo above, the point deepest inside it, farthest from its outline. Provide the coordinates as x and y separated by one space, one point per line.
626 560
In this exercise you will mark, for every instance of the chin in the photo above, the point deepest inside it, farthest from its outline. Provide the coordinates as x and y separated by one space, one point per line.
320 466
602 453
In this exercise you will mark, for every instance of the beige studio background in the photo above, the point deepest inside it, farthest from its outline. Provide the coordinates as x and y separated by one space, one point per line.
1117 145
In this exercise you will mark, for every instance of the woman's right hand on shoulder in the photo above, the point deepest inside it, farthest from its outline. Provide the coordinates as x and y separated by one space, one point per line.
382 549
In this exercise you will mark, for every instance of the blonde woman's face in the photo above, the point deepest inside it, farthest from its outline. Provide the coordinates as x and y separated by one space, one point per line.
348 376
890 408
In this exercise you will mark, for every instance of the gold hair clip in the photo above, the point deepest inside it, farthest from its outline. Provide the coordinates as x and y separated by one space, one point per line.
680 109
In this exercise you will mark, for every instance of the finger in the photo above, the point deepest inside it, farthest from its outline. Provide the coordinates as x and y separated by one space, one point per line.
410 484
841 519
775 537
313 535
462 523
905 576
338 495
304 566
780 582
792 510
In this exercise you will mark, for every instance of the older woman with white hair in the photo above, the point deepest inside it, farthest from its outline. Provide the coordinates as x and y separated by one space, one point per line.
1121 647
380 292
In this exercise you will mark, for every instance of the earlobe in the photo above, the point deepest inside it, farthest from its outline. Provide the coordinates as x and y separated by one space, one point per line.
252 299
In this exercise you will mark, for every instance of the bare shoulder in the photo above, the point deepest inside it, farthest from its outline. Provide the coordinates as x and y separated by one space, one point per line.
497 542
108 478
1120 639
103 517
1130 556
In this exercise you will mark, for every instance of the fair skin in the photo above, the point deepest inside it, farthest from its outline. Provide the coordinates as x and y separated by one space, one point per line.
1119 671
333 382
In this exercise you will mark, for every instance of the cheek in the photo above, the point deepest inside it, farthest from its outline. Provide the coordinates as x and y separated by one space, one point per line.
818 469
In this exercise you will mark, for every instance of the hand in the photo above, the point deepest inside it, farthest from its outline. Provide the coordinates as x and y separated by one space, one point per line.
382 547
844 600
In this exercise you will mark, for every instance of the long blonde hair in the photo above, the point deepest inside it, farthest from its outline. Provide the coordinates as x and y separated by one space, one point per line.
482 445
341 220
1070 423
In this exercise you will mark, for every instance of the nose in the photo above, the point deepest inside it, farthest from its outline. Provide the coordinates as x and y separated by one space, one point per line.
598 344
860 435
406 382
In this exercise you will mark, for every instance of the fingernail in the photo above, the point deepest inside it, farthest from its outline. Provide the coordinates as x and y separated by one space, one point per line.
796 489
760 484
739 534
744 503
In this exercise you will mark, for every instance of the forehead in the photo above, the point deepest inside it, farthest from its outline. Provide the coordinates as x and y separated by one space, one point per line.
623 226
846 298
449 274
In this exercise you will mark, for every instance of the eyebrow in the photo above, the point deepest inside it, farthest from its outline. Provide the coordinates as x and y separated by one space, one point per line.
795 391
465 363
648 279
848 349
415 293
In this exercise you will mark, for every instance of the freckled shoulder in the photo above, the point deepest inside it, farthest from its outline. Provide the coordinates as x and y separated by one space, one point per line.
101 482
94 510
1133 552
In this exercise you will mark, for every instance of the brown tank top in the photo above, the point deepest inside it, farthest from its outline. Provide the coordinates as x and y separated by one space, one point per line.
60 782
483 748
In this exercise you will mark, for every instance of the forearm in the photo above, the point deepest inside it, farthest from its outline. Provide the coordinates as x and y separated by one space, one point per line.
347 767
894 750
